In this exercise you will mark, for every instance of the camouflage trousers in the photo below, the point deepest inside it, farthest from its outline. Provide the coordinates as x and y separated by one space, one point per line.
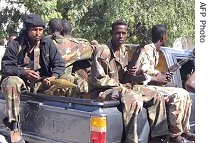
132 104
11 88
154 102
178 105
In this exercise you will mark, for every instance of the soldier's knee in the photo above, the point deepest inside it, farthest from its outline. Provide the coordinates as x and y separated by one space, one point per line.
139 104
12 81
185 94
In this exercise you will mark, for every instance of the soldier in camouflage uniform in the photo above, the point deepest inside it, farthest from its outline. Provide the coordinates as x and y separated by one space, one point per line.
66 32
177 99
71 50
81 68
30 62
106 82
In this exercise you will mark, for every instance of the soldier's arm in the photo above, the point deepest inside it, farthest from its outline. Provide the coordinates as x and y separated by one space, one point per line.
58 64
190 83
102 68
9 61
143 64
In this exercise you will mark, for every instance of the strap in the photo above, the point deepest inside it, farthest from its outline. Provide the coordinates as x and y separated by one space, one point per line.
36 64
37 57
155 54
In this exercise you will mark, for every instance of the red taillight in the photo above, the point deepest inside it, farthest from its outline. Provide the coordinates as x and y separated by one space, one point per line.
97 137
98 130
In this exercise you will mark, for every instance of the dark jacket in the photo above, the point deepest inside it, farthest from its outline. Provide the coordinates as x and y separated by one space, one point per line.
51 61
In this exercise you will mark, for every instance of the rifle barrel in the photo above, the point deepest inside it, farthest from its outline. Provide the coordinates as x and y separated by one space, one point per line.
177 65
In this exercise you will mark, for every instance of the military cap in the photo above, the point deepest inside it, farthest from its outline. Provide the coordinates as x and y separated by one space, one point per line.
33 20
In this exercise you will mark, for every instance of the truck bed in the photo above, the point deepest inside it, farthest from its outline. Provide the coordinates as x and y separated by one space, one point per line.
54 119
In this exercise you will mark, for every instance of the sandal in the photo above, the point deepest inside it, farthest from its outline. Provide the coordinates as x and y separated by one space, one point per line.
189 136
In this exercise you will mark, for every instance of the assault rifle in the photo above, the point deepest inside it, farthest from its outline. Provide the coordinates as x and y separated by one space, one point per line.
176 66
128 78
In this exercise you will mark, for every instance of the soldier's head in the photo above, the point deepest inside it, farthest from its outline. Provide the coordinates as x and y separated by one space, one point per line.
159 34
66 27
54 26
33 27
119 32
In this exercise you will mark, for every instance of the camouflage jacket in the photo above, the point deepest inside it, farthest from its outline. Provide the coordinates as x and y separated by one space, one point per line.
75 53
71 49
107 70
148 59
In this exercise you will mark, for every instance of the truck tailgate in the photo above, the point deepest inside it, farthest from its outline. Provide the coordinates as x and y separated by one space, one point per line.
68 121
52 123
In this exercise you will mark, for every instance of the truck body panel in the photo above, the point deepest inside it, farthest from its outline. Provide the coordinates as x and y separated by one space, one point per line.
53 121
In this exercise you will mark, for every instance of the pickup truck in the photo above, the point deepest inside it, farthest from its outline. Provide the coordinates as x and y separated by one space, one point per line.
56 119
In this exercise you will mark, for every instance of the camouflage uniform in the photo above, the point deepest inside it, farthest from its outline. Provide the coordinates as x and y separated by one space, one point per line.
72 50
180 106
106 74
153 101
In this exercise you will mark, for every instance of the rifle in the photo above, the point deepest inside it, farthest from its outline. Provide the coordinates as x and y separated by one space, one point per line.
134 78
176 66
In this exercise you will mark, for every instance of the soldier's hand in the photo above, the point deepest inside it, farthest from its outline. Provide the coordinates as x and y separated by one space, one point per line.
169 75
135 71
32 75
161 79
47 80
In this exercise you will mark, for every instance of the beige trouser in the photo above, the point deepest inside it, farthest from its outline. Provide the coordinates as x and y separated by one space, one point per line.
178 109
132 103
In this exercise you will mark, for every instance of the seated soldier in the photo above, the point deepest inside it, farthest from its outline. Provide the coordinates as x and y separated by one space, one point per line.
104 80
30 62
178 101
72 52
